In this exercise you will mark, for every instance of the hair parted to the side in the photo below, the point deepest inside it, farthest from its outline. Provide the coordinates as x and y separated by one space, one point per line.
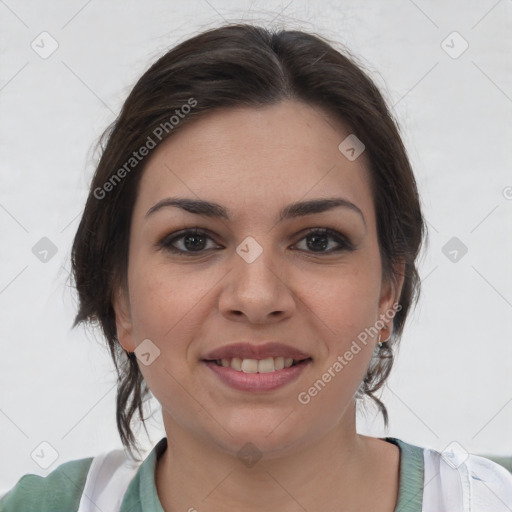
239 65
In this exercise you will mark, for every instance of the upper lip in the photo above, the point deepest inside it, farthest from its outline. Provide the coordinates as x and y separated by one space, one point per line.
252 351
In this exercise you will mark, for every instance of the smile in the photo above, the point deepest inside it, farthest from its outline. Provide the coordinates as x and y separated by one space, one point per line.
267 365
257 375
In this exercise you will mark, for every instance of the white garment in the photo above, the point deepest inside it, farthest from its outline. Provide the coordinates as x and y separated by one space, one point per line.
108 479
455 482
452 483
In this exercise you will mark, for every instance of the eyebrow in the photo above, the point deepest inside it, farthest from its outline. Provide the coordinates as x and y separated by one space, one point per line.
293 210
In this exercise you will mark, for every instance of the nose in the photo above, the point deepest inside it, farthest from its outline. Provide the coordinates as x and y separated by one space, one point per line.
257 292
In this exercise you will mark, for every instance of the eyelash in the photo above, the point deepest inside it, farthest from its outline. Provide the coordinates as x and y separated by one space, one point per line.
167 241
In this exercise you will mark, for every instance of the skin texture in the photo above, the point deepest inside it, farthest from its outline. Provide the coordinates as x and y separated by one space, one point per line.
254 162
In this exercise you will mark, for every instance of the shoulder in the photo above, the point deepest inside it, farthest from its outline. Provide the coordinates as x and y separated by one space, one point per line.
59 490
473 480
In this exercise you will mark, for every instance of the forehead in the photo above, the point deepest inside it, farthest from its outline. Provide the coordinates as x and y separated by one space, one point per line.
250 158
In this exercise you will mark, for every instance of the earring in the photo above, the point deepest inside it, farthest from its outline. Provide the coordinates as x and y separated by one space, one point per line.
383 344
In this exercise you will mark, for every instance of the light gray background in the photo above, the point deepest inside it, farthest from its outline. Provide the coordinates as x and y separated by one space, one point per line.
453 376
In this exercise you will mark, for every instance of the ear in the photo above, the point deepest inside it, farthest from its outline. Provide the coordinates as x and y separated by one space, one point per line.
121 305
390 294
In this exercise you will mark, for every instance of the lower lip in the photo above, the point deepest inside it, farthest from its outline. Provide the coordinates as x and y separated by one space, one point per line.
257 381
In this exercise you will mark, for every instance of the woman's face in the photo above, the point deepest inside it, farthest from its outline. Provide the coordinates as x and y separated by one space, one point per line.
251 277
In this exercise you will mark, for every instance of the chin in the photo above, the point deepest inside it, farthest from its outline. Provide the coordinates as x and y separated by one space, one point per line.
262 439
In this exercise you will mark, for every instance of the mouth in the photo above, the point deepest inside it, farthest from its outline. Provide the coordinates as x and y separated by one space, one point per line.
266 365
257 375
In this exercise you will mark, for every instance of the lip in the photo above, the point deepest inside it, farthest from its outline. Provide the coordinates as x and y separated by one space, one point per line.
252 351
257 382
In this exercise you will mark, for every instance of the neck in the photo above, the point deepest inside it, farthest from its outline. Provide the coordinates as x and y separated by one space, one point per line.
195 474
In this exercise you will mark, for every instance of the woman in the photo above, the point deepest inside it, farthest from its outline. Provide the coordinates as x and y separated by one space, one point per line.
248 247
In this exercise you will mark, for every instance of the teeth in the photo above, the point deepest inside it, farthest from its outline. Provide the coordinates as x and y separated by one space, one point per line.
279 363
250 365
267 365
236 363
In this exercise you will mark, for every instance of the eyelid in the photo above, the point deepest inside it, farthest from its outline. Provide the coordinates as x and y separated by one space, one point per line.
344 242
165 241
333 233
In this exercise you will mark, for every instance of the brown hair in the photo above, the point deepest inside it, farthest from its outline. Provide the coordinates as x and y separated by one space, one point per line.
238 65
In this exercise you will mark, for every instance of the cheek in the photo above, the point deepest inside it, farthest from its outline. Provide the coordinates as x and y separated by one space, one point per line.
167 301
348 298
347 305
150 300
161 302
157 300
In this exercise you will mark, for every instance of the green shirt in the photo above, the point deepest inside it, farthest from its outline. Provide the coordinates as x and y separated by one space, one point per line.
61 490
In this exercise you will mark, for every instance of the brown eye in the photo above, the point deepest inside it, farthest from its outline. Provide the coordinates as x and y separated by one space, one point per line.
317 240
195 241
191 241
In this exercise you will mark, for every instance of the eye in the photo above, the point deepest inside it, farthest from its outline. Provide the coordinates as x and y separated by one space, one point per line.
191 241
195 241
317 240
